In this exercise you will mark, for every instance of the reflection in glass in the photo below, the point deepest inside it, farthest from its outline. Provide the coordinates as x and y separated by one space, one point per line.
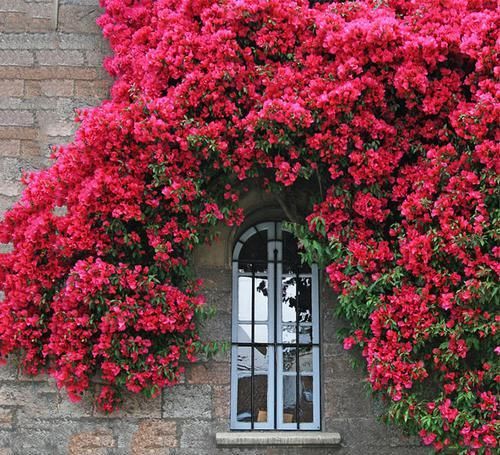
305 299
290 359
291 297
244 407
288 333
291 256
306 359
289 397
245 298
260 359
245 333
253 254
306 399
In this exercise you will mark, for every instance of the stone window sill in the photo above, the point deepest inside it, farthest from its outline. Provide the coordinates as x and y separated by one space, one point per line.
277 438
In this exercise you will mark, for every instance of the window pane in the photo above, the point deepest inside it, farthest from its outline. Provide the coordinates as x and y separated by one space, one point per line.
244 411
245 333
291 258
261 296
288 299
260 397
288 333
261 359
289 359
244 359
253 254
306 399
304 299
306 359
289 397
245 298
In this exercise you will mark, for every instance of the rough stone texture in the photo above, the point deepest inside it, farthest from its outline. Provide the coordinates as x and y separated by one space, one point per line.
44 75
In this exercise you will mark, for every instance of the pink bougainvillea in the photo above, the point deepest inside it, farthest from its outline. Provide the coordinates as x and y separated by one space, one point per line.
389 108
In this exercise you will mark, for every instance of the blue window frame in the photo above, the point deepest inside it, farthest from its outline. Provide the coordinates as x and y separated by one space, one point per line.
275 369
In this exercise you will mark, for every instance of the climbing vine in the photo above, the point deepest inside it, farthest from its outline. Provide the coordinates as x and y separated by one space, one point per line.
382 113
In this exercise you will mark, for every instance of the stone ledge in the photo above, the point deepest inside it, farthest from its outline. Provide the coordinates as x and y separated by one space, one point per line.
277 438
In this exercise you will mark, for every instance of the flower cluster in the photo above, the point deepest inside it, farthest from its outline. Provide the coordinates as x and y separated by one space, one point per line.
389 108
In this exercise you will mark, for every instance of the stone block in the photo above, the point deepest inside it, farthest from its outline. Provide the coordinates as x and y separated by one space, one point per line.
79 18
59 57
221 401
10 147
81 41
188 401
16 58
14 132
91 443
199 435
209 373
6 418
28 41
153 435
12 87
57 88
16 118
95 89
49 72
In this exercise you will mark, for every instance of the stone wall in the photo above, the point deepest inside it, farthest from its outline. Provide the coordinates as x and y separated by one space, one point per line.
45 73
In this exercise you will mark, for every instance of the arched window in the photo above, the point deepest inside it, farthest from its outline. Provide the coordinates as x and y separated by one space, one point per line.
275 370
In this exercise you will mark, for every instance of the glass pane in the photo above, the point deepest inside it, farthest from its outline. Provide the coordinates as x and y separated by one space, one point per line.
289 359
245 298
305 359
289 398
244 406
288 299
260 359
288 334
253 254
305 334
306 399
261 294
244 359
260 397
304 299
291 258
245 333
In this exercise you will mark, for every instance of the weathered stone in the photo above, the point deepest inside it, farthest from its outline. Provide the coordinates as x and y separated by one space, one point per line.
11 87
153 435
198 434
221 401
18 58
59 57
209 373
6 418
188 401
91 443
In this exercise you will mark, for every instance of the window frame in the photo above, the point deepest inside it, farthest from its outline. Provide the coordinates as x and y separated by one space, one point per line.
275 345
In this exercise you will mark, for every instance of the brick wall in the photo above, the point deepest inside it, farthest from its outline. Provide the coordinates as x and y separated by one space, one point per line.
44 75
